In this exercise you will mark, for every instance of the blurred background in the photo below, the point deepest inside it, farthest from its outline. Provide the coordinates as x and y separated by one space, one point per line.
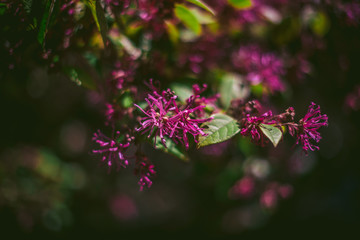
51 184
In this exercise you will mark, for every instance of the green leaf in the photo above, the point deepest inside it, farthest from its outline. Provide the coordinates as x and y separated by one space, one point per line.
202 5
241 4
232 86
257 90
99 18
80 77
320 24
172 149
45 21
3 8
182 91
27 5
121 41
274 134
172 31
188 18
220 129
203 17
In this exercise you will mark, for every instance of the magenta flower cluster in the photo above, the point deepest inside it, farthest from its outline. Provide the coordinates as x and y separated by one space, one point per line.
111 150
305 131
166 118
260 67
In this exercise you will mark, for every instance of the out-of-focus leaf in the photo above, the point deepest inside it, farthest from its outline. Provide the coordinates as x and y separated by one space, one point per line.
220 129
126 100
202 5
202 17
172 149
99 18
241 4
182 91
27 5
120 40
274 134
32 26
232 87
45 21
257 90
187 18
91 58
2 8
172 31
80 77
320 24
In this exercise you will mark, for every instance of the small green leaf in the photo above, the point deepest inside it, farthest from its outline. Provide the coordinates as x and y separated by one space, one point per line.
220 129
241 4
172 31
257 90
320 24
188 18
202 5
121 41
232 86
80 77
127 101
182 91
45 21
27 5
274 134
99 18
3 8
172 149
203 17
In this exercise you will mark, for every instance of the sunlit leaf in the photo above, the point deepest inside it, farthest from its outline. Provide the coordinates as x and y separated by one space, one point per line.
99 18
232 87
274 134
203 17
220 129
241 4
172 31
188 18
202 5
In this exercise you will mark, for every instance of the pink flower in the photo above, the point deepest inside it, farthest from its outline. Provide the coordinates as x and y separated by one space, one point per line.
307 130
250 126
111 150
165 118
145 169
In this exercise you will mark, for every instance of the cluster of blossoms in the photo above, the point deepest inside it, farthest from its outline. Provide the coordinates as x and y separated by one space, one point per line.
111 150
167 118
113 154
260 67
305 131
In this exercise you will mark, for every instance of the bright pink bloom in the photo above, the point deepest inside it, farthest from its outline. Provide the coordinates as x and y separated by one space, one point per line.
307 129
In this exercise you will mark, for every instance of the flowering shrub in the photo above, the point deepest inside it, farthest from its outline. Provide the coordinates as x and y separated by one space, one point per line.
187 78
